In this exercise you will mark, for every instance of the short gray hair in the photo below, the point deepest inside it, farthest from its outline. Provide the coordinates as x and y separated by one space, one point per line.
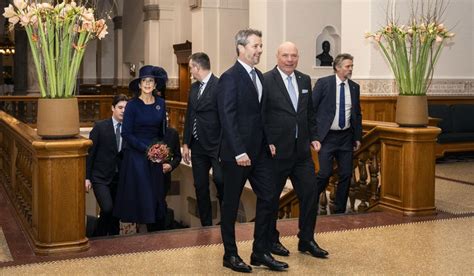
241 37
340 58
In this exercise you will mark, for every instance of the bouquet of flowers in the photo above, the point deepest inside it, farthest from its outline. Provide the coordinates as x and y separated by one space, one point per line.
58 33
412 50
158 153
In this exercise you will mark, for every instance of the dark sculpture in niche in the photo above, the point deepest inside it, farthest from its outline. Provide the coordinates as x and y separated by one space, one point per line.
325 58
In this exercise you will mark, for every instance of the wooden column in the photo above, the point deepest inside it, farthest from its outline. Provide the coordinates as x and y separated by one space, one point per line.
408 170
45 182
182 52
59 197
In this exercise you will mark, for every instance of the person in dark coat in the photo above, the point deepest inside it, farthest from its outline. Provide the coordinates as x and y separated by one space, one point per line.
141 191
202 134
103 163
336 105
244 153
290 128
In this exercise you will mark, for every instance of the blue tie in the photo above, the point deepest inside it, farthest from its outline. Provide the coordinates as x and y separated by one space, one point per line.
292 92
342 107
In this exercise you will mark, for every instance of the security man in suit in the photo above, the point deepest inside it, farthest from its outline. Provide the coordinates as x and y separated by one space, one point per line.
202 134
290 127
103 164
336 105
244 153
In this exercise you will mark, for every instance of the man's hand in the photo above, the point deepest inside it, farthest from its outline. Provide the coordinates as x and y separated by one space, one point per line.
88 185
316 145
186 155
357 145
167 168
244 161
273 150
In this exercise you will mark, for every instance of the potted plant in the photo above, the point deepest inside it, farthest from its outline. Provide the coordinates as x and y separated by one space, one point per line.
412 51
58 36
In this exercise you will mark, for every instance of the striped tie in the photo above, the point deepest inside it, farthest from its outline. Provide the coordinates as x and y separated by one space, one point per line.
195 119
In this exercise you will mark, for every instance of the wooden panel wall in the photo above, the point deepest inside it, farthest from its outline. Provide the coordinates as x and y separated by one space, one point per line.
383 108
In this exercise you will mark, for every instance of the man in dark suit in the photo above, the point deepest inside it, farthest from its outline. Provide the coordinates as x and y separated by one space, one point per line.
336 104
202 134
244 152
103 164
290 127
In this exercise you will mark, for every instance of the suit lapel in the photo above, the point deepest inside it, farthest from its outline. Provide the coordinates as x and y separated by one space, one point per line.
244 75
299 81
282 88
353 94
332 94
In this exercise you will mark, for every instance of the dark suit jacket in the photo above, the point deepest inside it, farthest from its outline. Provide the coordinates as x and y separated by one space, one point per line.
281 119
239 114
103 157
171 139
324 105
207 117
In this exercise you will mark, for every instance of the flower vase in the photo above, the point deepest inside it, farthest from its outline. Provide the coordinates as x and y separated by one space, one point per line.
57 118
412 111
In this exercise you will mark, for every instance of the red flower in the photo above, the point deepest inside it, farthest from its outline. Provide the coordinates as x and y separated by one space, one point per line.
158 153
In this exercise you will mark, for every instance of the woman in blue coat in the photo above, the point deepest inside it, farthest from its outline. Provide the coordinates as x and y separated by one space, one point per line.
140 193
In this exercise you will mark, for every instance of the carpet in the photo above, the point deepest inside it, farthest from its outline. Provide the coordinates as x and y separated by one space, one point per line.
462 172
453 197
5 255
433 247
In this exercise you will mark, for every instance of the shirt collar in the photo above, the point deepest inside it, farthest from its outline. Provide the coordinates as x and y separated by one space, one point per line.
284 76
246 66
206 79
115 122
339 81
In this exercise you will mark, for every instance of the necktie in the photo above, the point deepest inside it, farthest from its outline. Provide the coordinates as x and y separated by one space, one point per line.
342 107
292 92
254 78
117 135
201 85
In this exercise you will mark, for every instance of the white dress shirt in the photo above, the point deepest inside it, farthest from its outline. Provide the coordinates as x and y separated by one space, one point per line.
348 104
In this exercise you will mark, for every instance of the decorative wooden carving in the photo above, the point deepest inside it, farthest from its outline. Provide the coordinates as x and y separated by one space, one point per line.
45 182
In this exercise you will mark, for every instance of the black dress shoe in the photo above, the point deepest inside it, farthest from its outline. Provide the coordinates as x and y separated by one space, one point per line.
278 249
313 248
235 263
267 259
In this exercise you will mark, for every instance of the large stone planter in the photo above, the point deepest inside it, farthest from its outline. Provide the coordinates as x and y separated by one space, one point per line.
57 118
412 111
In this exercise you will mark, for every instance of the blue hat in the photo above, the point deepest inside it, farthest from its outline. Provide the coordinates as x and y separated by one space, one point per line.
150 71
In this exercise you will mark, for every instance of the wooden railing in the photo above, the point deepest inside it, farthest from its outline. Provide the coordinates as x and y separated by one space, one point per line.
23 108
393 169
44 180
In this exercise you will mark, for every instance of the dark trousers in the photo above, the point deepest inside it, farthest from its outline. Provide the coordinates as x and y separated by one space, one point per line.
337 145
107 224
202 161
259 175
303 178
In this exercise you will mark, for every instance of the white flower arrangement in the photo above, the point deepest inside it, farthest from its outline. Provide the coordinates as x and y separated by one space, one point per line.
412 50
58 36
